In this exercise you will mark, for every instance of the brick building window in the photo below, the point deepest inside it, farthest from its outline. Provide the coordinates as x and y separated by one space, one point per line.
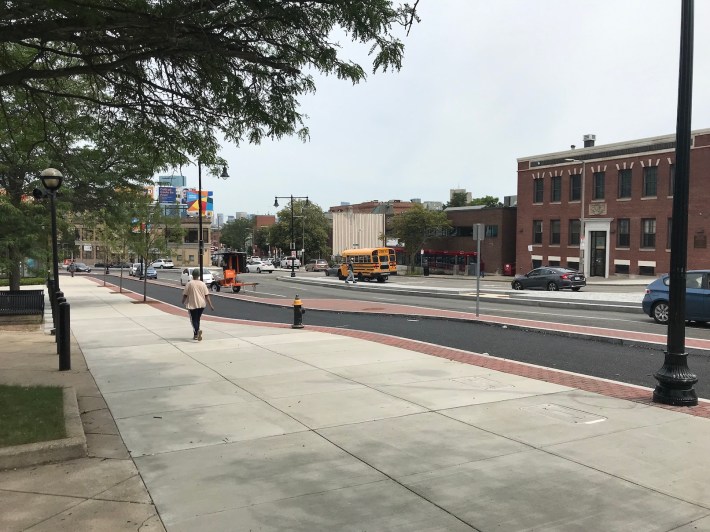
556 189
671 180
625 183
574 227
623 233
575 187
538 190
554 231
537 231
598 192
648 233
491 231
650 181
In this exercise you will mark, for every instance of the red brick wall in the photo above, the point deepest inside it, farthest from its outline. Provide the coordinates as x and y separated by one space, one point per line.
635 209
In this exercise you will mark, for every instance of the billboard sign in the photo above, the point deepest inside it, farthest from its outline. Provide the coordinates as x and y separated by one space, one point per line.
167 194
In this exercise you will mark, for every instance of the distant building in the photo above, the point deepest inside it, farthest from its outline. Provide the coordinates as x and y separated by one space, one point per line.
171 180
453 191
220 219
230 218
240 215
433 205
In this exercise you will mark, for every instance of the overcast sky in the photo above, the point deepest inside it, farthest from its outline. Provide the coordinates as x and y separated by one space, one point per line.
483 83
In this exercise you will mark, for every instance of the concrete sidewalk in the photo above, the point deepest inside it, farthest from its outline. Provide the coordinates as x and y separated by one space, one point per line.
270 428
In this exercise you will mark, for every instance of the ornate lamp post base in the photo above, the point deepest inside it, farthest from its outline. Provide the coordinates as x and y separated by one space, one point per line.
675 382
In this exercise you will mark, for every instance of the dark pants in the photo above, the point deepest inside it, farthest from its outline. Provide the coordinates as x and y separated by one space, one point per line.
195 315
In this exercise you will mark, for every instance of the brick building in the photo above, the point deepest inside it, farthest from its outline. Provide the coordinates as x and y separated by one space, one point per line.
498 245
611 206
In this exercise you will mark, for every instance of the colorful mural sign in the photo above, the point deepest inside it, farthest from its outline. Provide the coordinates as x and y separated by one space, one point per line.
192 201
167 194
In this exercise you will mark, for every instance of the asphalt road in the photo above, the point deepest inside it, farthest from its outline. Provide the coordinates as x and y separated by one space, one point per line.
633 364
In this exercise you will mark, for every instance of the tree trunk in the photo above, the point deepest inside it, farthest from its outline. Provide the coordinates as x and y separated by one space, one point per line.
15 260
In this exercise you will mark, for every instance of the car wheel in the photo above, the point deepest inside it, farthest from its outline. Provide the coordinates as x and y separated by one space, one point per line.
576 288
660 312
236 289
258 270
381 279
181 282
552 286
517 285
327 273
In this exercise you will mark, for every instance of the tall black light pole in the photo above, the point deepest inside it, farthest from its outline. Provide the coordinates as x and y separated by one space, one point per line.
293 238
52 180
201 241
675 380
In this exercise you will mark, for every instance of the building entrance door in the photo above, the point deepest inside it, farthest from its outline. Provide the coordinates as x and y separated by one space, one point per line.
598 256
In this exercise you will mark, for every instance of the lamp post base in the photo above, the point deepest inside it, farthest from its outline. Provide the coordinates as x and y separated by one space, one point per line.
675 382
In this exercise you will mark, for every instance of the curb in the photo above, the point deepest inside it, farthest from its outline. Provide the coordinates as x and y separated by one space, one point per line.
509 299
69 448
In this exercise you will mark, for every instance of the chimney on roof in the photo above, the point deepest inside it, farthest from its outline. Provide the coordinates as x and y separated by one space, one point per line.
572 147
589 140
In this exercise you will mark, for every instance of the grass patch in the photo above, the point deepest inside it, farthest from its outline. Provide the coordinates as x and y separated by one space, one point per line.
31 414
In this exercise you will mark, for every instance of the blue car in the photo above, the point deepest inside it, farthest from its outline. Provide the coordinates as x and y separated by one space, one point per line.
697 298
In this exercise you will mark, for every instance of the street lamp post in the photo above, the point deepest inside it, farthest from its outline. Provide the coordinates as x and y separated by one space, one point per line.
52 180
201 241
582 236
293 238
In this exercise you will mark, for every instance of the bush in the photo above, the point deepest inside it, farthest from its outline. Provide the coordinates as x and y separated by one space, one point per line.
25 281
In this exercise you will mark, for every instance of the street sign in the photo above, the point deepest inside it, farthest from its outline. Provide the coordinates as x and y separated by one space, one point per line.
479 231
293 252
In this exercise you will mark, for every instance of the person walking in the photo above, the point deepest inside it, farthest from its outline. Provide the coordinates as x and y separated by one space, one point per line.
351 273
195 297
72 268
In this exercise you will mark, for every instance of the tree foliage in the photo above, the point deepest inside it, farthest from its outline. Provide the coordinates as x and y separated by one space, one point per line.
486 201
458 199
310 229
182 69
236 233
415 226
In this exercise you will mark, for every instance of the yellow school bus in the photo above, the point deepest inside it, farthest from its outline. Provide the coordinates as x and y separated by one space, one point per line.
369 263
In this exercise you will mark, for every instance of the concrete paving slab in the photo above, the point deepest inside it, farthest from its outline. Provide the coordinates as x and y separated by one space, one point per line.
565 416
382 506
287 336
104 515
214 479
537 491
155 400
647 451
198 427
85 477
20 511
139 375
295 383
106 446
406 371
451 393
343 407
418 443
258 366
141 338
324 356
695 526
224 354
132 352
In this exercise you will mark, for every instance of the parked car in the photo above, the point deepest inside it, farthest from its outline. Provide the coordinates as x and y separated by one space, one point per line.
286 262
186 276
550 278
163 263
316 265
334 271
80 267
150 273
99 264
120 265
697 296
134 268
258 266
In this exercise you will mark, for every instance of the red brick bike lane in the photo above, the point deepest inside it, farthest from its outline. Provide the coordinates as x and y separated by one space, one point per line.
601 386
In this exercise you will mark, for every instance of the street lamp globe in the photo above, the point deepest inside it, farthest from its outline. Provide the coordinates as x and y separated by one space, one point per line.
51 179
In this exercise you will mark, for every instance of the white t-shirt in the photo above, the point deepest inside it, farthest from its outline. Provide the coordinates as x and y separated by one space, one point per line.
196 291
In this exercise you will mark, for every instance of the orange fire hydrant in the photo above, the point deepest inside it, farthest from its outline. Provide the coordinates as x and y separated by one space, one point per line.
298 312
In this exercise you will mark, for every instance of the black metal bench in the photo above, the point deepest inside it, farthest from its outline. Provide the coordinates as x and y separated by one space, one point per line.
21 302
